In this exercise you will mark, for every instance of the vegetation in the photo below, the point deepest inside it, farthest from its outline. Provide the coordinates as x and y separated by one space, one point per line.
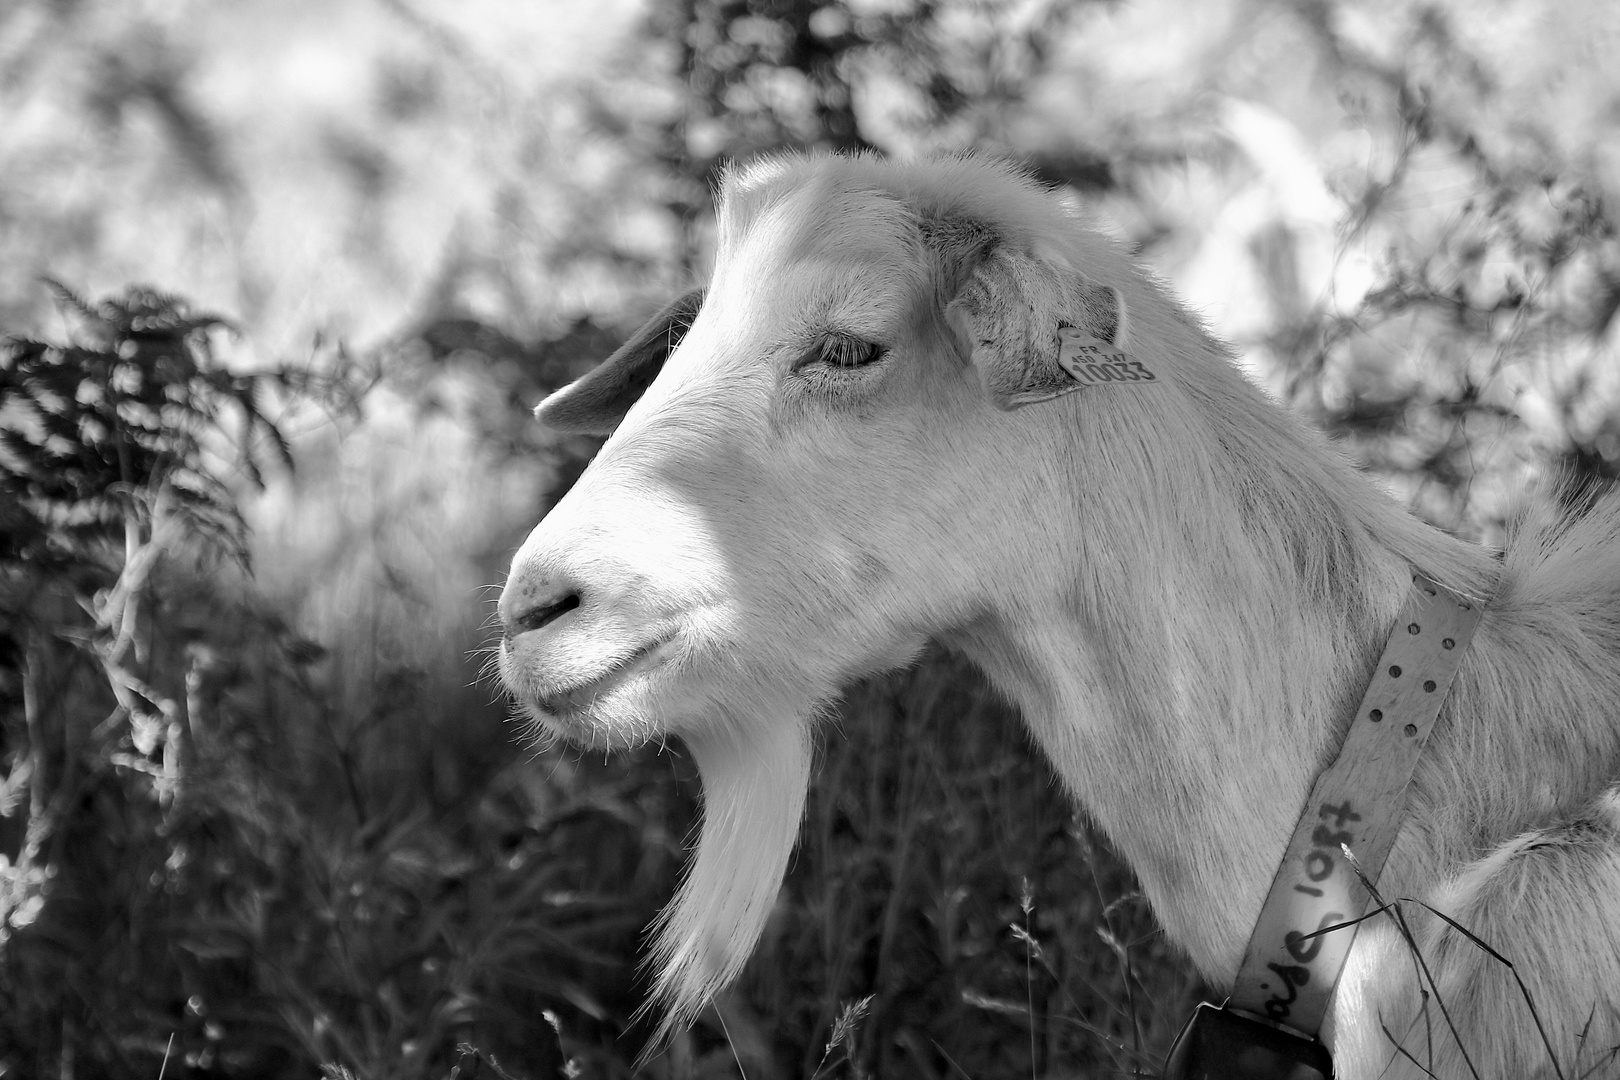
256 813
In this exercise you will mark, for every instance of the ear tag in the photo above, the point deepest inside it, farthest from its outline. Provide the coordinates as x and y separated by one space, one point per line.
1091 361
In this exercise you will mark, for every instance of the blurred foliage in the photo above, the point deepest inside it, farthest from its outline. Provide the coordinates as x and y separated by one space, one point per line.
273 817
199 866
1503 312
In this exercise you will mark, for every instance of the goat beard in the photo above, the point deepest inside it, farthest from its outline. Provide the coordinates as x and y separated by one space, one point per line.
754 777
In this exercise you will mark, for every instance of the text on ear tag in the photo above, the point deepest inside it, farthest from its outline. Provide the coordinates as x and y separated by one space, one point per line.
1091 361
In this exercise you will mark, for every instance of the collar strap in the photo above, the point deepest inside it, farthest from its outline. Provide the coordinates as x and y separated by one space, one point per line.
1288 975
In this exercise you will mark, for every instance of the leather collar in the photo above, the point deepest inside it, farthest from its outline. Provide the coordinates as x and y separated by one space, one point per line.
1356 805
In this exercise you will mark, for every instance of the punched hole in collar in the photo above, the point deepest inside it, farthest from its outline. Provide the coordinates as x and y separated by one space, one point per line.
1376 715
1428 685
1413 628
1447 643
1411 729
1394 671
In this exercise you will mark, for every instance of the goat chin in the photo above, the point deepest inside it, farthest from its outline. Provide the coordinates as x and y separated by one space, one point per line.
754 778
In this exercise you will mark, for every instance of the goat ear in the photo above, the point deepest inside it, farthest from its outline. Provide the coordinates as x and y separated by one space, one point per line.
594 403
1008 307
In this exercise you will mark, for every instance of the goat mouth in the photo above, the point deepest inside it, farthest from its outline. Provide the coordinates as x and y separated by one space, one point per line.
582 695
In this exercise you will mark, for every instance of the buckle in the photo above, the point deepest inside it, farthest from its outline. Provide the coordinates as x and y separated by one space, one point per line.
1220 1044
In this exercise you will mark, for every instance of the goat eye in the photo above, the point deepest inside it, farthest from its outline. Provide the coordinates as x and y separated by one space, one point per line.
844 351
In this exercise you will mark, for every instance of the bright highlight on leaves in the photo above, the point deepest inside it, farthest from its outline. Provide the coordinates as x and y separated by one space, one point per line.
96 433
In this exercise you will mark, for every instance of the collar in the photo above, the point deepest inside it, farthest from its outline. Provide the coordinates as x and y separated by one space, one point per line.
1356 805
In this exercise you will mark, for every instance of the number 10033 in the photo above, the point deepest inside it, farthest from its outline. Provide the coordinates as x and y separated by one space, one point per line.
1094 363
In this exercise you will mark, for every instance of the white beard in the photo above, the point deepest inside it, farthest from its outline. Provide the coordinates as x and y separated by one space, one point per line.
754 777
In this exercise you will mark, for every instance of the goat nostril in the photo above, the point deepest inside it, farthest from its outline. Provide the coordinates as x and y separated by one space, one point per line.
536 617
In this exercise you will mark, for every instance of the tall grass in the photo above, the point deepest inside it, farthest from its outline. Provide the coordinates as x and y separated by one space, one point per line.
944 874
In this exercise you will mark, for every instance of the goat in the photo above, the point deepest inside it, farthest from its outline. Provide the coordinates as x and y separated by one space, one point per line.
859 438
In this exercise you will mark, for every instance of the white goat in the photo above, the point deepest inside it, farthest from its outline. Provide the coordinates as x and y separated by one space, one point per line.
1182 587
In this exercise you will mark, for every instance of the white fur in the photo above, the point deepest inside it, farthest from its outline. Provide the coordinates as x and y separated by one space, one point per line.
754 782
1182 586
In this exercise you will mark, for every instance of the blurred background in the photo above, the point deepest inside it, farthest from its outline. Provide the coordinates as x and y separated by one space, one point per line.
280 280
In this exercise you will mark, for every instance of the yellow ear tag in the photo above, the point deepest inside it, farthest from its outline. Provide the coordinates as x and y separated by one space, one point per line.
1092 361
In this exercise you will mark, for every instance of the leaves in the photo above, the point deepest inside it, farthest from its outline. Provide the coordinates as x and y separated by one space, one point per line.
135 417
